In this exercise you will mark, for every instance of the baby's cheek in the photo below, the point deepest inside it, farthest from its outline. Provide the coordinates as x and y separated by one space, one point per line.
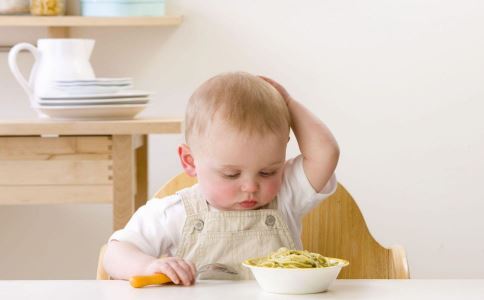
273 187
225 192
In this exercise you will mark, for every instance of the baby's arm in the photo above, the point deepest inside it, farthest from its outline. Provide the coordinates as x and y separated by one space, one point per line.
123 260
318 146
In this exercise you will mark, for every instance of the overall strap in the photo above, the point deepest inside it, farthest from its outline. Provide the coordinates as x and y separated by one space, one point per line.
193 201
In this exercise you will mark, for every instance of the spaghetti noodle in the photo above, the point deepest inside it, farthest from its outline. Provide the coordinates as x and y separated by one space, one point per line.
285 258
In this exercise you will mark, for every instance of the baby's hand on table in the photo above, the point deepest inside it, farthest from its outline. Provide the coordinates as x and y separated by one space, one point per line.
179 270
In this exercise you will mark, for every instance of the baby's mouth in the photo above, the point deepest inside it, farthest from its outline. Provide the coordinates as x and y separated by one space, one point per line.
251 203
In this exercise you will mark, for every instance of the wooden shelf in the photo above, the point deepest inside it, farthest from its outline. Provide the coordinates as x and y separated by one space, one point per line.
73 127
80 21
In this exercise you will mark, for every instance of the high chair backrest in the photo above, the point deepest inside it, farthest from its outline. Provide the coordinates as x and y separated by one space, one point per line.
335 228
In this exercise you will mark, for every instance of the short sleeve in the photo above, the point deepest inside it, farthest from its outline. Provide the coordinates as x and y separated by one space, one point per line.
298 193
155 227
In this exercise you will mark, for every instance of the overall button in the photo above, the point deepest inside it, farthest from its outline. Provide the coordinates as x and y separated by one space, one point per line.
270 220
198 225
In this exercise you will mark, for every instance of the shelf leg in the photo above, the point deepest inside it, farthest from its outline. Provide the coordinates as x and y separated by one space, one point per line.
57 32
142 173
123 180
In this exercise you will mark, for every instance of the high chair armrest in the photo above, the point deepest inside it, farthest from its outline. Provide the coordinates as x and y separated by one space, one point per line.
399 264
101 273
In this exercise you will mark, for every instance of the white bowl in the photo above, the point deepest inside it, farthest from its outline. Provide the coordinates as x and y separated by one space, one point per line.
296 280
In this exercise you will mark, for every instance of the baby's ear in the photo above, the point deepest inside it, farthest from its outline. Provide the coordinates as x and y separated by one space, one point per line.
186 160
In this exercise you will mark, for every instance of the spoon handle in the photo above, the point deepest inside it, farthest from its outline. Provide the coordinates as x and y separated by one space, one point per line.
141 281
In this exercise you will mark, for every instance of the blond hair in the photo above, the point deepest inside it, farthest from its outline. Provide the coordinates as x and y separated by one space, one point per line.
246 102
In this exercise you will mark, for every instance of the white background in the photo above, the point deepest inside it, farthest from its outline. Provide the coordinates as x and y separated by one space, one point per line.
398 82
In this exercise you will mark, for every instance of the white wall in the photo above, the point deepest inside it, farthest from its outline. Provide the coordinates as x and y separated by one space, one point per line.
399 83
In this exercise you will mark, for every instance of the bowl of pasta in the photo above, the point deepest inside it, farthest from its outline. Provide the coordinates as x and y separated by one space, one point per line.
295 272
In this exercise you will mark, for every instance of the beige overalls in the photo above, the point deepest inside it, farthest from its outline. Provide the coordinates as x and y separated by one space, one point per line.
229 237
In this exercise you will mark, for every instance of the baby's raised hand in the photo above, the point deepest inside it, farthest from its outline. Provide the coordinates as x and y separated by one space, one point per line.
179 270
279 88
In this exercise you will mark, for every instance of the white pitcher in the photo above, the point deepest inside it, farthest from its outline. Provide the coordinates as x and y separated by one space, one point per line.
55 59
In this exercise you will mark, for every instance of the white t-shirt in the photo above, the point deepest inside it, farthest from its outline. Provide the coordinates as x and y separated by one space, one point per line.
156 228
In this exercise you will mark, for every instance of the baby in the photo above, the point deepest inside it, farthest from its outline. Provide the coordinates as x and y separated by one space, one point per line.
249 200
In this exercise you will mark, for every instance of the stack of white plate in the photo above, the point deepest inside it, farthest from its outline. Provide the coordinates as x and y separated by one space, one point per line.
95 86
102 98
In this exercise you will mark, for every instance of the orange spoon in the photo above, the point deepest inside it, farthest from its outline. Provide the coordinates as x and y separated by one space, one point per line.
141 281
159 278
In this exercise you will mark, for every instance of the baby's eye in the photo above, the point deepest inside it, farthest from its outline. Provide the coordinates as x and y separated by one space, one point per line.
267 174
231 176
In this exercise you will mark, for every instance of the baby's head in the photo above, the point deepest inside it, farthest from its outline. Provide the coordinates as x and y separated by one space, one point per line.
242 101
236 129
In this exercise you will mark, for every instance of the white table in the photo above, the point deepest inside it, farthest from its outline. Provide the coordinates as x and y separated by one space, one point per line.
213 290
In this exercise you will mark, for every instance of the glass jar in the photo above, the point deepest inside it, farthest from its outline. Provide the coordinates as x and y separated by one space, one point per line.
14 7
47 7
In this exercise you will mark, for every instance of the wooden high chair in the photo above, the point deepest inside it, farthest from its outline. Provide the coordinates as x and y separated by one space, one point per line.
335 228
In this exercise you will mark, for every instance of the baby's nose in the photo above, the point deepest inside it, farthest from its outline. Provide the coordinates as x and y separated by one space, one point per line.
250 186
